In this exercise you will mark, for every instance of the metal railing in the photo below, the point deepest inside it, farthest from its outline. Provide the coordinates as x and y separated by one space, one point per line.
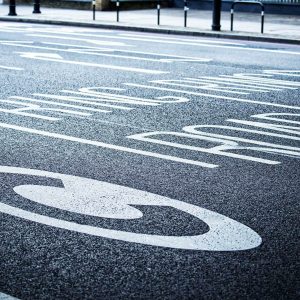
248 3
281 1
12 7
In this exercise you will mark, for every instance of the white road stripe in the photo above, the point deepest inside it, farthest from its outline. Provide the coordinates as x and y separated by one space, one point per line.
60 104
164 41
96 42
44 57
107 146
7 297
87 52
243 86
208 87
11 68
212 96
132 51
194 40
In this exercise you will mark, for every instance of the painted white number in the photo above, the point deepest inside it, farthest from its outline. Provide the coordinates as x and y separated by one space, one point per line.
106 200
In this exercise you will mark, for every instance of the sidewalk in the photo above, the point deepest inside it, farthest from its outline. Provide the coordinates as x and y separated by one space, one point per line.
277 28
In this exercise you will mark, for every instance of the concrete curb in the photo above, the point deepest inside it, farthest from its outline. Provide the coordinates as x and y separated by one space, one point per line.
161 29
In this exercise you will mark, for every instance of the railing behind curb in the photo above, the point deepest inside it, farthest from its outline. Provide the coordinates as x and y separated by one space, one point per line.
12 7
36 7
158 8
247 3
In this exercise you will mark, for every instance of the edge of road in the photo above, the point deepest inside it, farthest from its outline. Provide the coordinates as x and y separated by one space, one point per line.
161 29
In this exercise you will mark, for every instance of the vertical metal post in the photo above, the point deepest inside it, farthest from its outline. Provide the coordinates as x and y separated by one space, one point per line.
262 19
216 24
158 12
94 9
118 10
12 8
231 18
36 7
185 12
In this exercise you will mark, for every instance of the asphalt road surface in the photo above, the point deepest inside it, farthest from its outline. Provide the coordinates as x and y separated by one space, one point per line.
147 166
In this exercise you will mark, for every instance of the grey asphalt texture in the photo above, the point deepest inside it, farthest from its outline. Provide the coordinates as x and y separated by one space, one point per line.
44 262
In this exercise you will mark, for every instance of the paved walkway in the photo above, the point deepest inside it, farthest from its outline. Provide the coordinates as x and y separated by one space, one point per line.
278 28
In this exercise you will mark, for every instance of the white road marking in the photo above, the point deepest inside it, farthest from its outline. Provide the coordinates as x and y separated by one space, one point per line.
99 52
170 56
102 199
212 96
60 104
11 68
29 106
194 40
95 42
207 86
7 297
106 145
295 73
92 51
51 57
243 86
274 117
164 41
223 145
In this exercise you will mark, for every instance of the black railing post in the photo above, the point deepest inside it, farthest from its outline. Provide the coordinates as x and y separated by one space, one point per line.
36 7
185 12
12 8
262 18
231 16
94 9
248 3
216 24
158 12
118 10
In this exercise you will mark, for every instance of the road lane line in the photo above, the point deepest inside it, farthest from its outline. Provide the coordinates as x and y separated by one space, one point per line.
194 40
50 57
164 41
107 146
200 59
212 96
11 68
59 104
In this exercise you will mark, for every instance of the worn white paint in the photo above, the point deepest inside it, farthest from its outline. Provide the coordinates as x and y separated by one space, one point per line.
57 58
161 40
106 145
5 296
215 97
109 53
222 149
94 42
106 200
11 68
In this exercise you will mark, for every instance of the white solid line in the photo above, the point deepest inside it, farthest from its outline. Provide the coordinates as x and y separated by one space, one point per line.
194 40
210 87
7 297
87 51
212 96
243 86
107 146
201 59
96 42
145 39
11 68
82 63
84 51
25 114
83 101
59 104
